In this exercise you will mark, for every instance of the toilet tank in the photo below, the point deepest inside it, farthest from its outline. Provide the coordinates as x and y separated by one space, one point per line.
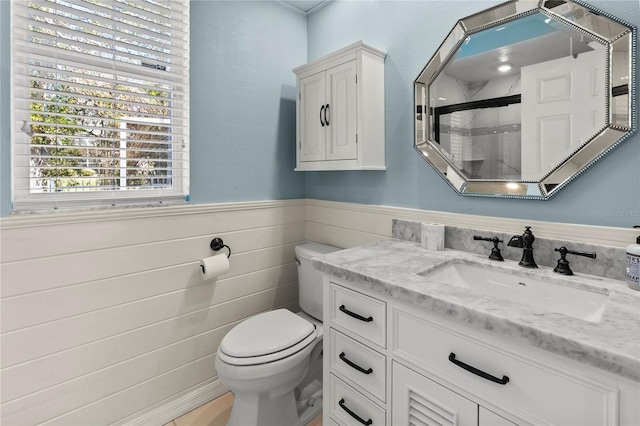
309 279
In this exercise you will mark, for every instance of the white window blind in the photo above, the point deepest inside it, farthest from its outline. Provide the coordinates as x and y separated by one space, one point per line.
100 102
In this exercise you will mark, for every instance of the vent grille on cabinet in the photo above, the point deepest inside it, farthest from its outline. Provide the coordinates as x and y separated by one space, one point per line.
426 412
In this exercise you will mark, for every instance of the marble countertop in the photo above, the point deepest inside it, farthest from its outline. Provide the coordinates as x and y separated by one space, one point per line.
391 268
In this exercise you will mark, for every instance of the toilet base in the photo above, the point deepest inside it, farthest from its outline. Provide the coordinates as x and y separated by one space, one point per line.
264 410
309 402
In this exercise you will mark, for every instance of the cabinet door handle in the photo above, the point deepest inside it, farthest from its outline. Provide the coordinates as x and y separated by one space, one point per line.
322 109
326 111
354 365
354 415
503 381
354 315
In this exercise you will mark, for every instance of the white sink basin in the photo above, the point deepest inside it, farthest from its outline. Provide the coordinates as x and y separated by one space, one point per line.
557 296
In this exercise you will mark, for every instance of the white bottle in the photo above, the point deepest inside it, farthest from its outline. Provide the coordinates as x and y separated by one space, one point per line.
633 265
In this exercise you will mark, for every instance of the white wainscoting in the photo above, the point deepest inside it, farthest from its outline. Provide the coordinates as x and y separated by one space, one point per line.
105 317
349 225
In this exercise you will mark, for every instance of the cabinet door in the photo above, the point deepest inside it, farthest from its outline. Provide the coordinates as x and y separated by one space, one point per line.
417 400
341 101
312 128
489 418
537 392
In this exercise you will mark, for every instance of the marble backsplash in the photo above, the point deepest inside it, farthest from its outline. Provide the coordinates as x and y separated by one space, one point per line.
609 263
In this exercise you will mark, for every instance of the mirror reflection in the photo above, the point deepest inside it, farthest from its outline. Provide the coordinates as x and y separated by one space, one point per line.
512 105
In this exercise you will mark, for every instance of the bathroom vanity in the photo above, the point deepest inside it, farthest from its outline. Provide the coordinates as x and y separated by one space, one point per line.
403 345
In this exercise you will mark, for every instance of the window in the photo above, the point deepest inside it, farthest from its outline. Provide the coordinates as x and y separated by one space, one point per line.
100 102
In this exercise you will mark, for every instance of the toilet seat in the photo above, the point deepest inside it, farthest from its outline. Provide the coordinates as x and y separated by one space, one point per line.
266 337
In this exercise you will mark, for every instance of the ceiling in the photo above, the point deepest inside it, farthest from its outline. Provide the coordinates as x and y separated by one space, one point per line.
306 6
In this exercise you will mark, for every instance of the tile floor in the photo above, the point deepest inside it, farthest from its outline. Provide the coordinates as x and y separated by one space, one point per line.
216 413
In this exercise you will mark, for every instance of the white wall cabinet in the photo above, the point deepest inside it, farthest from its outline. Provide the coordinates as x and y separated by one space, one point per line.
389 363
340 111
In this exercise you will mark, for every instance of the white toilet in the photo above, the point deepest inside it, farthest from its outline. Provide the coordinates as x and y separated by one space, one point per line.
272 362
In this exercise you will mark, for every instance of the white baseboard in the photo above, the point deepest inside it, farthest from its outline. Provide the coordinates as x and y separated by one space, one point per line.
168 410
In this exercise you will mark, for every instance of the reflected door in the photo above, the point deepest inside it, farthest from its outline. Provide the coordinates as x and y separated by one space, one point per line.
563 104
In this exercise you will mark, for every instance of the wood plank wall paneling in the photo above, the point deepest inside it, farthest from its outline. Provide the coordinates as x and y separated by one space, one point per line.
103 318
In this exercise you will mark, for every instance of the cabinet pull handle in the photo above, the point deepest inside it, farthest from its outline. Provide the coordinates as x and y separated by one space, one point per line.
353 314
354 415
503 381
354 365
322 109
326 111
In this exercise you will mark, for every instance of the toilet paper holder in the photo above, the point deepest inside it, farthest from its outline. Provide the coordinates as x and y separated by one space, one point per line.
217 244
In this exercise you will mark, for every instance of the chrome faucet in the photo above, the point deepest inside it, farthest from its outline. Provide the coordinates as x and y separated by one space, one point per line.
525 242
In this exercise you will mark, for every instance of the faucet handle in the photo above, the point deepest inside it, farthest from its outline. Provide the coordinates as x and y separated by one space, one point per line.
495 251
563 264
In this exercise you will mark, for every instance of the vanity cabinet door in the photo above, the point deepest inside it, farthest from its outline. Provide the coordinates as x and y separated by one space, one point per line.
489 418
417 400
539 392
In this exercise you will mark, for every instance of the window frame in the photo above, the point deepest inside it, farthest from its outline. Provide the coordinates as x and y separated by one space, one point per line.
25 199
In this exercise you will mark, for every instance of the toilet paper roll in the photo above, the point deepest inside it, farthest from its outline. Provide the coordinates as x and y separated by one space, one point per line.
214 266
432 236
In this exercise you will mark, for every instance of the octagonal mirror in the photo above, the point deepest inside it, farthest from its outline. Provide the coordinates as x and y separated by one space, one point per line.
521 98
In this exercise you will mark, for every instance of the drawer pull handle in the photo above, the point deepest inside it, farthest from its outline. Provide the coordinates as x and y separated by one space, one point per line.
503 381
353 314
354 365
354 415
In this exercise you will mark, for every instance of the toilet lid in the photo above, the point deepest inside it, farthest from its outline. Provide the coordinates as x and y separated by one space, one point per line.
266 333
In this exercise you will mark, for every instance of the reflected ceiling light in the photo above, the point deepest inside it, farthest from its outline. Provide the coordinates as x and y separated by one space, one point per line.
504 67
513 185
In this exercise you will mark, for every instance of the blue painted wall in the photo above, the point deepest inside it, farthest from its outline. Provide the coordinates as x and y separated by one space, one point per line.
243 98
243 111
410 32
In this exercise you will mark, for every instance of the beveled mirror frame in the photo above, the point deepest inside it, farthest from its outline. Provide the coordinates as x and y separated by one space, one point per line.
574 14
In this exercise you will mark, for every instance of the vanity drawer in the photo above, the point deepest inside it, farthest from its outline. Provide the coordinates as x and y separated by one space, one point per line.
358 363
361 315
347 405
539 392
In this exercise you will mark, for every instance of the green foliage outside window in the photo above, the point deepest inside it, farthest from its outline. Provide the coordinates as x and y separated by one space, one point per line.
83 138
